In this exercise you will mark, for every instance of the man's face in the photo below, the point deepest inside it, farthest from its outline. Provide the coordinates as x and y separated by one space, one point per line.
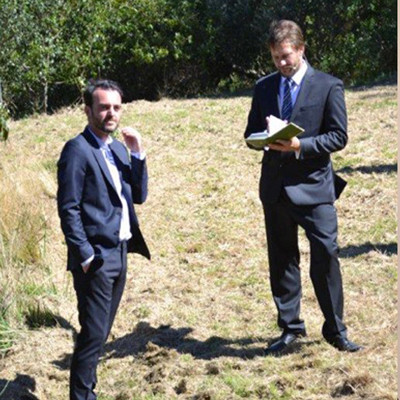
105 112
287 58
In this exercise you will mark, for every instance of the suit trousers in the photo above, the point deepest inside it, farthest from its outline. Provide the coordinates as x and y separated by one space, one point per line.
282 220
99 292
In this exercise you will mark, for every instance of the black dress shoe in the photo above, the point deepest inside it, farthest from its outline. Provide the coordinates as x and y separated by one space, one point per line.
283 343
344 344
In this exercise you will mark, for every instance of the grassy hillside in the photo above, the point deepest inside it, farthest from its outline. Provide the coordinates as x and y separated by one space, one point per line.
194 321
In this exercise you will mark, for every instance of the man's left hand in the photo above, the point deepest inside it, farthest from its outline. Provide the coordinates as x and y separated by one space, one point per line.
133 139
286 145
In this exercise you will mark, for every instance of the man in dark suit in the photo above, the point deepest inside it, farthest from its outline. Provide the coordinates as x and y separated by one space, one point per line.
298 185
99 179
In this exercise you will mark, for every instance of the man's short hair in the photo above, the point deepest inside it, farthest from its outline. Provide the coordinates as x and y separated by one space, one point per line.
285 30
94 84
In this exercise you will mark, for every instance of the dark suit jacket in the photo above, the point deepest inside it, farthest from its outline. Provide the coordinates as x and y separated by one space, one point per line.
88 205
320 109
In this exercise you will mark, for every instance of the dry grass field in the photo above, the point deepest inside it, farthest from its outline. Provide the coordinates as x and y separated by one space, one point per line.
194 321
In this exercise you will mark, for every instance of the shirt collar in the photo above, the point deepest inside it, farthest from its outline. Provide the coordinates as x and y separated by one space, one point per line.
100 142
299 75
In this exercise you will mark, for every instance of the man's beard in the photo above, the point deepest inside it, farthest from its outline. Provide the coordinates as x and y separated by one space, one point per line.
102 125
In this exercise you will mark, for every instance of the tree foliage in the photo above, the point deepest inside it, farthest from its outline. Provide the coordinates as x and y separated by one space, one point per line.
178 47
4 129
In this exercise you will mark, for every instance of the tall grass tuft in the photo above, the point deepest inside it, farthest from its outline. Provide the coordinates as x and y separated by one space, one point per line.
22 240
7 334
39 316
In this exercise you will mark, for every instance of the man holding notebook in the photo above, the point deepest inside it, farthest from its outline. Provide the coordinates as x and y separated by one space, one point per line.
298 186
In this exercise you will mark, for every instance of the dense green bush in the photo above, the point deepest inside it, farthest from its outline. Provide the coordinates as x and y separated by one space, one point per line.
178 47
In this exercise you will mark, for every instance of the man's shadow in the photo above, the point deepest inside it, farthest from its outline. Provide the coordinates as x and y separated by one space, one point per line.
20 388
351 251
179 339
370 169
148 341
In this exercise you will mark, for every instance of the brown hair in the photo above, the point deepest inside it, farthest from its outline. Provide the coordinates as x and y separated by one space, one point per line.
285 30
94 84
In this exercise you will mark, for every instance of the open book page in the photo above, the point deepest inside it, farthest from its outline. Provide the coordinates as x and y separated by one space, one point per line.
278 129
275 124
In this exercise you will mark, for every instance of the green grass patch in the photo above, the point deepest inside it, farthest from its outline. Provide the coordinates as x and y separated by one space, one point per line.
38 316
7 335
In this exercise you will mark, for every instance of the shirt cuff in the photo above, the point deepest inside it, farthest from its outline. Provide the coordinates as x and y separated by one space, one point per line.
297 153
140 155
87 262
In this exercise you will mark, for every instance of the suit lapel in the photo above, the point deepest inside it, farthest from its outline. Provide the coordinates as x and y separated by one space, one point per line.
274 93
99 157
118 151
120 155
304 92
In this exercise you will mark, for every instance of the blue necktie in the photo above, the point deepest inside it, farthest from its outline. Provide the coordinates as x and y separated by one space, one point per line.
287 106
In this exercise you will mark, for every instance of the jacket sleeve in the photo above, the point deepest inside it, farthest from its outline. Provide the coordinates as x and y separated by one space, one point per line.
333 131
254 119
139 180
71 178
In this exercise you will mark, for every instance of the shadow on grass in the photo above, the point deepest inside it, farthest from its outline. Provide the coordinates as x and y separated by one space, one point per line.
354 251
369 169
181 340
148 342
65 362
20 388
166 337
63 323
